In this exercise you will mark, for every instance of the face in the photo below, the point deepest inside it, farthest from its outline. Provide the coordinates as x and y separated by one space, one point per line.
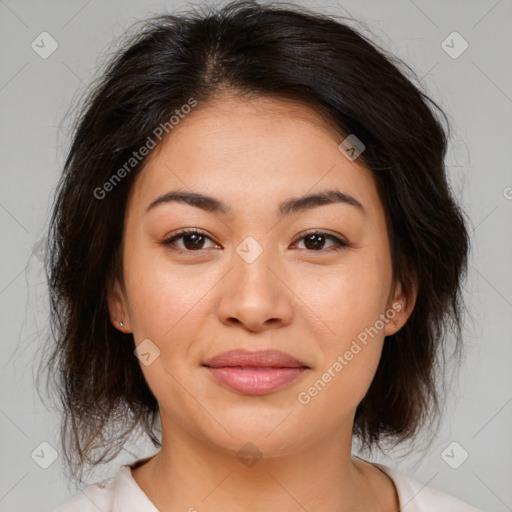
255 277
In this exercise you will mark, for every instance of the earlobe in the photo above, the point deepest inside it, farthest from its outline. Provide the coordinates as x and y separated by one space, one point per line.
117 308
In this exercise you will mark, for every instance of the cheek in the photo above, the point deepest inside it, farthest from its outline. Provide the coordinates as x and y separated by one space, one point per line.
349 304
169 305
347 299
164 296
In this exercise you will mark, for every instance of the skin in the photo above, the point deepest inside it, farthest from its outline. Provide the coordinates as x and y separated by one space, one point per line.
310 303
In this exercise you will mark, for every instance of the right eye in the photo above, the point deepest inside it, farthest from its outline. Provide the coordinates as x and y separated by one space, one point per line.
193 240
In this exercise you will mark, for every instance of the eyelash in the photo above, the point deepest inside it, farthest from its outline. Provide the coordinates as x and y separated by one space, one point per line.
340 244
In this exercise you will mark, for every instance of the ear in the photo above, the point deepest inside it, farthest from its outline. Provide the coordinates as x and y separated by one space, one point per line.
117 307
400 307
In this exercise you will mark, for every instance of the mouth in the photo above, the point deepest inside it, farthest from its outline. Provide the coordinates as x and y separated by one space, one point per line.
255 373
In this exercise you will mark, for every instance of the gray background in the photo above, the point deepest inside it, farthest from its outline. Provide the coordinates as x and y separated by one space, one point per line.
475 89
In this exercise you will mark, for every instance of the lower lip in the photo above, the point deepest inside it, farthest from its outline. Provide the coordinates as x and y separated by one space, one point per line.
256 381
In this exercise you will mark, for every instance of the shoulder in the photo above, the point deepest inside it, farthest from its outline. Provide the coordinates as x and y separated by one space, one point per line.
118 493
98 496
415 496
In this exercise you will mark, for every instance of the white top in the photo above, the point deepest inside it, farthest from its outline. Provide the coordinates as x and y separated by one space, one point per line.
121 493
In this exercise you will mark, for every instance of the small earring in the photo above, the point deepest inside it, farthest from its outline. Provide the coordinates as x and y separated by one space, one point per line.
121 324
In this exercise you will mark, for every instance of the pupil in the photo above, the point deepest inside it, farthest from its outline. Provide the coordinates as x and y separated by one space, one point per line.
317 241
195 237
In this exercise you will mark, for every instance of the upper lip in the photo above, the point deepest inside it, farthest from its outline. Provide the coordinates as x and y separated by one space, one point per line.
260 358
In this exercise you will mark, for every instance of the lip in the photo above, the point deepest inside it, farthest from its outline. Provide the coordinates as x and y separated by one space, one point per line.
255 372
257 358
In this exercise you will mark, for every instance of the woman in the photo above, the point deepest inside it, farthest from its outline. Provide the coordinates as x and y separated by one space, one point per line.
255 258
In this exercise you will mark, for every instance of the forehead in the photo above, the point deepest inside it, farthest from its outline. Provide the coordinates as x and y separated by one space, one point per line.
239 149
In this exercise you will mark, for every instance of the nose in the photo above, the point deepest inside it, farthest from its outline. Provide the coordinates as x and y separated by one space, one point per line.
255 295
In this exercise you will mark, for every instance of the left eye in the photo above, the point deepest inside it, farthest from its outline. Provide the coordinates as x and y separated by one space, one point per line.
318 238
193 240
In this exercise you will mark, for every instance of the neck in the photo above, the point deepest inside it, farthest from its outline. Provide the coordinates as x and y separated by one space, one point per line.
195 475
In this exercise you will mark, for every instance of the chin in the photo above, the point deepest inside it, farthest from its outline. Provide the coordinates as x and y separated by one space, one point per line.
264 433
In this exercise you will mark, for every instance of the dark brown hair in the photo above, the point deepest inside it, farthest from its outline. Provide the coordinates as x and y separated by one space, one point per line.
280 51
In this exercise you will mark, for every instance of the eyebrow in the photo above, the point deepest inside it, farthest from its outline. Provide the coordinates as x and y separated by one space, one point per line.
288 207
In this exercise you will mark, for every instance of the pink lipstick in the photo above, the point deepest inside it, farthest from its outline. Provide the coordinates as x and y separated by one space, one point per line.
255 372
